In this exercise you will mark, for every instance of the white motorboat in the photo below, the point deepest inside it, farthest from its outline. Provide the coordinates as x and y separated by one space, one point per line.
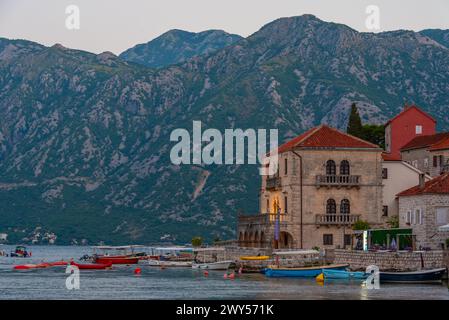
219 265
168 263
208 254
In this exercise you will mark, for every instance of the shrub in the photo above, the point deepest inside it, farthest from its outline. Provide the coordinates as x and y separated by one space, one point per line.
197 241
393 222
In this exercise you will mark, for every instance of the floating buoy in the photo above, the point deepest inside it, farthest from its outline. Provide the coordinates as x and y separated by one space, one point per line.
232 276
137 271
206 273
225 276
320 277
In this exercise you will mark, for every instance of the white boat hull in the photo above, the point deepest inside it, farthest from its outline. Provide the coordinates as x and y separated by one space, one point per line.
221 265
157 263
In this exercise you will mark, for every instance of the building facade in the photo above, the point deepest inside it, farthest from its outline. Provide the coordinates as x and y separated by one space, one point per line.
326 181
397 176
425 208
412 122
429 154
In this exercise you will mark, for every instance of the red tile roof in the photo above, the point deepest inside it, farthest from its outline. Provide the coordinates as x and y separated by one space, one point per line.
407 109
326 137
390 157
442 145
426 141
438 185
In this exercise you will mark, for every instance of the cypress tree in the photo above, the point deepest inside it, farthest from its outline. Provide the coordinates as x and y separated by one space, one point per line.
355 123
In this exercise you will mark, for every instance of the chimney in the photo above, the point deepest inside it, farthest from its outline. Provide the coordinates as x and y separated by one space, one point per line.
422 180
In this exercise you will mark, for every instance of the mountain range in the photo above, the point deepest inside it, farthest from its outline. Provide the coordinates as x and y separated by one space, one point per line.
85 138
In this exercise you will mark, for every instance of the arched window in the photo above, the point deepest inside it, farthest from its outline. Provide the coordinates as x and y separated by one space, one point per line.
345 207
331 207
344 168
330 168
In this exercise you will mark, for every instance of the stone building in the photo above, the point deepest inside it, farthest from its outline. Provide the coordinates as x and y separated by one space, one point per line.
326 181
424 208
430 154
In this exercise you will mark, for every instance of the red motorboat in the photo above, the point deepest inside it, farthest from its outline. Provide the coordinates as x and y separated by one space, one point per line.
116 260
91 266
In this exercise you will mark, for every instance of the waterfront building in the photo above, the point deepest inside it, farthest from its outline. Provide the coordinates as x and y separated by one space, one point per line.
425 208
429 154
326 181
412 122
397 175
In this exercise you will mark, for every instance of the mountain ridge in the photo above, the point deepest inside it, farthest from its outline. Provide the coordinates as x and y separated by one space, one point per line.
85 138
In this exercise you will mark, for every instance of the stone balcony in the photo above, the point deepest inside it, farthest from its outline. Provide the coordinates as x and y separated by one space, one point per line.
337 181
265 219
274 183
336 219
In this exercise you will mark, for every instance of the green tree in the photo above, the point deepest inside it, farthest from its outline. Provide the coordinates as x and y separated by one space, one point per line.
374 134
197 241
355 123
361 225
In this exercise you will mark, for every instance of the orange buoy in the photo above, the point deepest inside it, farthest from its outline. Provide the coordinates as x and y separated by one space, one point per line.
137 271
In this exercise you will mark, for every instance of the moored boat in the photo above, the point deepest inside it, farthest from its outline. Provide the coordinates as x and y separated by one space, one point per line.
91 266
343 274
219 265
422 276
255 258
168 263
305 272
116 260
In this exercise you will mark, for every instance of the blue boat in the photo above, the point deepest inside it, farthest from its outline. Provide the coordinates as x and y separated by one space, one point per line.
306 272
422 276
343 274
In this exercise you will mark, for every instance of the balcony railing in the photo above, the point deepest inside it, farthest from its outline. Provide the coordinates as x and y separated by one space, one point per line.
338 180
273 183
336 219
262 219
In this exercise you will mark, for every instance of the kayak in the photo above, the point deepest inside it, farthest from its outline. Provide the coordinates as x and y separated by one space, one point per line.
255 258
31 266
58 263
91 266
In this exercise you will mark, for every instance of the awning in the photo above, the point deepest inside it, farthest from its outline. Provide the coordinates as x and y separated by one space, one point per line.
296 252
444 228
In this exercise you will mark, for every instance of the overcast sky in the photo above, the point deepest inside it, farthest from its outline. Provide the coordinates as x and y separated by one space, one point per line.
115 25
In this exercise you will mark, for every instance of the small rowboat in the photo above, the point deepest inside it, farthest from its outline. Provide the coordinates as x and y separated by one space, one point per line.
342 274
422 276
32 266
305 272
116 260
91 266
255 258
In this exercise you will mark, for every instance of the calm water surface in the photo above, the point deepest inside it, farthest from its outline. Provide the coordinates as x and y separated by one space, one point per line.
182 283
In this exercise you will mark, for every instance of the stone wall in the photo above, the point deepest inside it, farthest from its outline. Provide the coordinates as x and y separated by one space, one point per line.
399 261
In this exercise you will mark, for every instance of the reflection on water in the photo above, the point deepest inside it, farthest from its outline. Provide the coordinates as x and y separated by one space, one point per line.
185 283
